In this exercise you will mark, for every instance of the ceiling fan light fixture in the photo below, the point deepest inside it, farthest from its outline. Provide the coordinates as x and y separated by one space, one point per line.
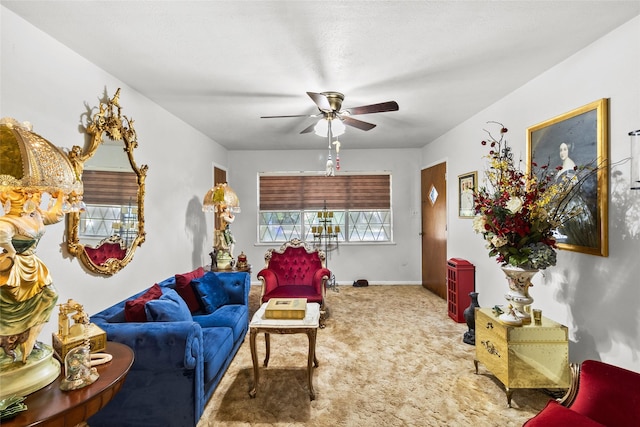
337 127
322 127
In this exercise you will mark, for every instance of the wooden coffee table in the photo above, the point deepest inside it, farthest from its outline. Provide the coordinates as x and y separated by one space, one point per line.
309 325
51 406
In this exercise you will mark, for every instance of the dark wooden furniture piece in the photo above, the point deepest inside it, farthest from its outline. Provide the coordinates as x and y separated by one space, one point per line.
234 269
51 406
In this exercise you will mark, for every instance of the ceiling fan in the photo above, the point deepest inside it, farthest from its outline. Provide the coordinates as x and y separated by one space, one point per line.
330 106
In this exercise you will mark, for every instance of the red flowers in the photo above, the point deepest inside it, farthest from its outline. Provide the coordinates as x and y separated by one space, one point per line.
514 211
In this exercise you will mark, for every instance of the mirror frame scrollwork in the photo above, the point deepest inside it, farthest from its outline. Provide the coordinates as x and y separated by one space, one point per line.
108 120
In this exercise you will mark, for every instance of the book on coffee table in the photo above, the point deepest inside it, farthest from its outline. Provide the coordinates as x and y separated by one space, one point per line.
286 308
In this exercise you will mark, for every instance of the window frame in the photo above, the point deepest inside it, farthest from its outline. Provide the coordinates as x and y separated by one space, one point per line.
305 211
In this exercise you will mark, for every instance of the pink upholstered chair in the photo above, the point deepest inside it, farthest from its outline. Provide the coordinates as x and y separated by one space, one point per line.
600 395
296 270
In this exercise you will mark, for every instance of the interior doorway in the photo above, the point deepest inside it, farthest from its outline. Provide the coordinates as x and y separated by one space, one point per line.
434 228
219 176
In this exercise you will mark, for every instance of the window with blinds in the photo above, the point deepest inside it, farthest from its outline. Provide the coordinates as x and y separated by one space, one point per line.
361 206
112 206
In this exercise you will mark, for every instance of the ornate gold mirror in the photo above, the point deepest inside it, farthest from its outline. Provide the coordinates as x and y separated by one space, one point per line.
105 233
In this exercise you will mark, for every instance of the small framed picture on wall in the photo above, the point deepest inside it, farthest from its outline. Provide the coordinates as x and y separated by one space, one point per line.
467 185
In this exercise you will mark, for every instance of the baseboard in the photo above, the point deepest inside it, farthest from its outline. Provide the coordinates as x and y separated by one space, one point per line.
385 283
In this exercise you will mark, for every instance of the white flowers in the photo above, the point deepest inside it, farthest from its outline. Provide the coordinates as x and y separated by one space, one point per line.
514 204
478 224
498 241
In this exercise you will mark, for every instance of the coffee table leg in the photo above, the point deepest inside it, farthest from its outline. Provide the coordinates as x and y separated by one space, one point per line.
267 344
311 361
254 358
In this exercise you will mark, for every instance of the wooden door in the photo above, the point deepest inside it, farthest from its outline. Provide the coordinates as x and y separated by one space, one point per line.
219 176
434 229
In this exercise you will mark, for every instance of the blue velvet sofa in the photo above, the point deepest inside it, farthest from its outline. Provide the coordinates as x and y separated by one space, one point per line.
180 356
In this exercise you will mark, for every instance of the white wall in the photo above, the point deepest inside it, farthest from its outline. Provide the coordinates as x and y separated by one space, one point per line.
397 263
44 82
596 297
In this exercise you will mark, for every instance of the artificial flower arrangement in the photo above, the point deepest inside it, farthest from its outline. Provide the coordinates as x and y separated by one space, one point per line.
517 212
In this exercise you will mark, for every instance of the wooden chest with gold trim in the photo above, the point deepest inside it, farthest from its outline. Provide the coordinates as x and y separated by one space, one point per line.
528 356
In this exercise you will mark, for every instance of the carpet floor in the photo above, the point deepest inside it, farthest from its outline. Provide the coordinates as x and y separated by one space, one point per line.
389 356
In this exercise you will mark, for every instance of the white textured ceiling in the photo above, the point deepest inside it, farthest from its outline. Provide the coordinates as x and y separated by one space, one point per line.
220 65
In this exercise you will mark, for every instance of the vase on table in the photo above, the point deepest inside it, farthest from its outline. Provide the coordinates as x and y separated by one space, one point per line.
518 297
469 314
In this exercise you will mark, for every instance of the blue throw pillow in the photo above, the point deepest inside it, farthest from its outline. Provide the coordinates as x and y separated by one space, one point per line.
210 291
170 307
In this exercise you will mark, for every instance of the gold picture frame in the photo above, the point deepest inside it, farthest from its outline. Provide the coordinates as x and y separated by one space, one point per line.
579 137
467 186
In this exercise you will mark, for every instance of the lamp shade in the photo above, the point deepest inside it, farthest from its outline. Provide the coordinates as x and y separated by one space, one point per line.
31 163
220 195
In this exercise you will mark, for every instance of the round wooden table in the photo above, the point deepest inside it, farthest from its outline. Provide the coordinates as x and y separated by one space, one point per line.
51 406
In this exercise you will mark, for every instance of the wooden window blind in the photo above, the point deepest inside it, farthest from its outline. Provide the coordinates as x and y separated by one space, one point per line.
354 192
109 188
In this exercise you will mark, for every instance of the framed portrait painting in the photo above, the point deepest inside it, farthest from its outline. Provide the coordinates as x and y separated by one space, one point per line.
467 185
570 141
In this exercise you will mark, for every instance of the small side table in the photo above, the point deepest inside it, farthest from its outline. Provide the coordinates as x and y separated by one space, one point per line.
234 269
528 356
309 325
51 406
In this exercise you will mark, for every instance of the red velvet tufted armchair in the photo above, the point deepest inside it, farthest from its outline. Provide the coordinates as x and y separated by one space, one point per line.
111 247
295 271
600 395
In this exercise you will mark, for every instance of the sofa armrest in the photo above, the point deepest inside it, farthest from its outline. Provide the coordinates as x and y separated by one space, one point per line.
158 345
570 395
320 278
269 281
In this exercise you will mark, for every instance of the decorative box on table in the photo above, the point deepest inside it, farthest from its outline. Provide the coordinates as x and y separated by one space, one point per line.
286 308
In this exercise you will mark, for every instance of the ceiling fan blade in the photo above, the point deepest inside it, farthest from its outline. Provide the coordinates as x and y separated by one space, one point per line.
320 100
374 108
309 128
278 117
350 121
